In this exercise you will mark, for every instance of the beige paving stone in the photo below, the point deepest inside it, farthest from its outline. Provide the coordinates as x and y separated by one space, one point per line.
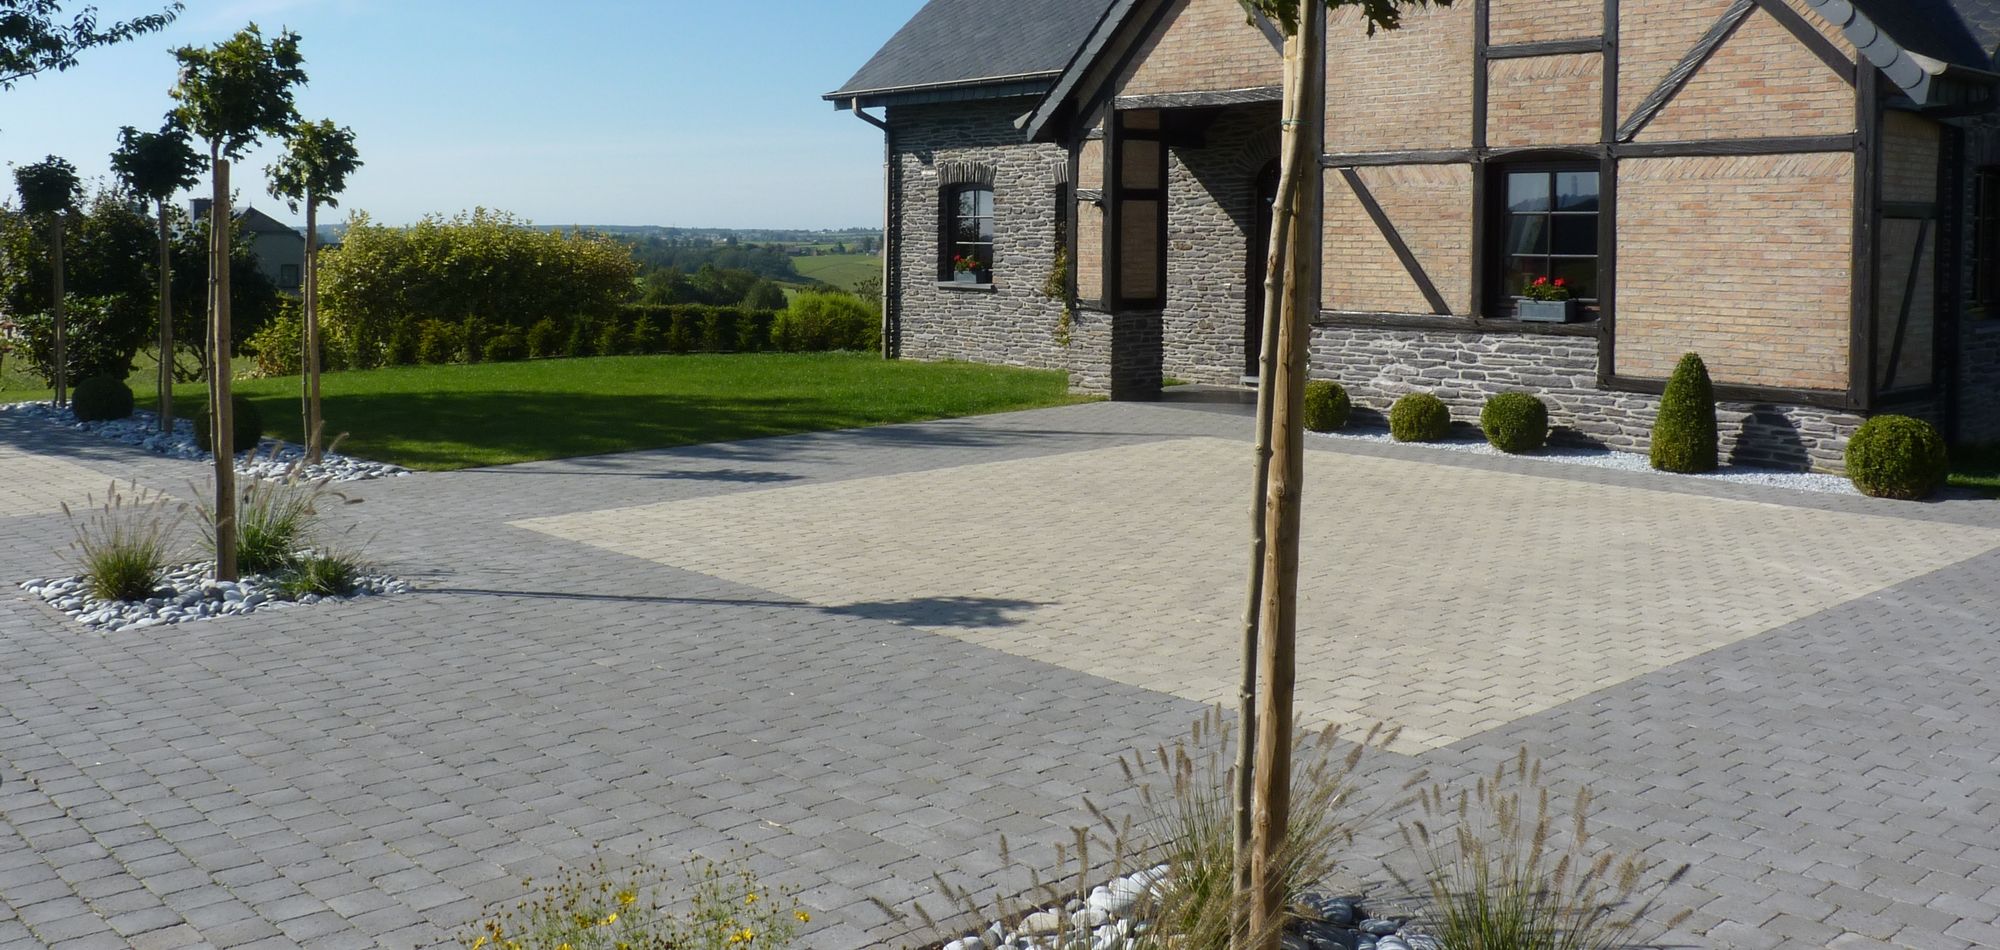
1446 600
32 484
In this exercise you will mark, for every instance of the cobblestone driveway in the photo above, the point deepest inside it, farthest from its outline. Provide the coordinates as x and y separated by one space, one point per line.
860 657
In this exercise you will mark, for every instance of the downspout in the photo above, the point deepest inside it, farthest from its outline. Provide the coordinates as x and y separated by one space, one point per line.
891 324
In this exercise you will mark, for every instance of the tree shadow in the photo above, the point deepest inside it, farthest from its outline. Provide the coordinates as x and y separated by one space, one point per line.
964 612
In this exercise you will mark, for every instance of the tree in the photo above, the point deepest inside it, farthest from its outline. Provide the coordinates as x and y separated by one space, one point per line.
33 38
318 159
156 166
1263 768
50 190
231 95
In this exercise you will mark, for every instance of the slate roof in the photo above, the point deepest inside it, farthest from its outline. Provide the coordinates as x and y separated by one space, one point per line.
1958 32
969 42
261 223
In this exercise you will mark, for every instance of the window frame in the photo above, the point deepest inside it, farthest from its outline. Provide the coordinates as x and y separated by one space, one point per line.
1500 296
1983 290
949 244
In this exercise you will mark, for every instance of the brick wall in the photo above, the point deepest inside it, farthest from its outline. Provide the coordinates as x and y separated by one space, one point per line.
1089 264
1762 82
1012 323
1545 100
1747 261
1401 89
1533 21
1204 46
1378 365
1431 207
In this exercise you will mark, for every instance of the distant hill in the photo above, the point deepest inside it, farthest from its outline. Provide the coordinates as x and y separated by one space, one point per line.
822 238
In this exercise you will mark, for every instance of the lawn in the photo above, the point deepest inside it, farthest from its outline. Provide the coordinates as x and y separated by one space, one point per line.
1977 468
845 271
451 417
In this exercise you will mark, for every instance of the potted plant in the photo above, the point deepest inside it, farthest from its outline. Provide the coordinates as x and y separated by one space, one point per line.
965 270
1546 301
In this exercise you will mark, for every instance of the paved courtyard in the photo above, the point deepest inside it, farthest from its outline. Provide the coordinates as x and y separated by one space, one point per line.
857 658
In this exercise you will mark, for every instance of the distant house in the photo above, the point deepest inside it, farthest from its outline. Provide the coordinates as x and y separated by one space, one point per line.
1806 192
280 249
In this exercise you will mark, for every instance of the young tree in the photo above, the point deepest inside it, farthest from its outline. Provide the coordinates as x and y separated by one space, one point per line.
231 95
50 189
1263 776
156 166
33 38
318 159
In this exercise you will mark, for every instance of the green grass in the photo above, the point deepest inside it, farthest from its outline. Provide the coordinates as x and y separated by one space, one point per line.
845 271
449 417
1977 467
18 383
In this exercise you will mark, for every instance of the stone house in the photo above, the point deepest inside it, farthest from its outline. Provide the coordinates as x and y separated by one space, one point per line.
279 248
1805 192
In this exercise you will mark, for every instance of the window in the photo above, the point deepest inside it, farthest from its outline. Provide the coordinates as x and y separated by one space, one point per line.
1548 228
968 233
288 275
1986 239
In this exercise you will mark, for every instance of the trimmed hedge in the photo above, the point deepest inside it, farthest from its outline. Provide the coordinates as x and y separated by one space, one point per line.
1684 434
1327 406
101 399
1897 457
1419 417
1515 423
545 339
508 347
819 321
246 426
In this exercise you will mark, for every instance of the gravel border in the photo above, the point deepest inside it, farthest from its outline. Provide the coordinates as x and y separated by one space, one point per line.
1625 462
190 593
272 458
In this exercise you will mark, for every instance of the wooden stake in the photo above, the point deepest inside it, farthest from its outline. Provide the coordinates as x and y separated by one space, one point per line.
61 305
223 438
310 363
166 324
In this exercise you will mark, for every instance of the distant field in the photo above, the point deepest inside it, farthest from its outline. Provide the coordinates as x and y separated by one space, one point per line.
845 271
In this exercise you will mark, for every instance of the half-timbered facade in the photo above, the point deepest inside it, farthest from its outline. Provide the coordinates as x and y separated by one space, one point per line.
1805 192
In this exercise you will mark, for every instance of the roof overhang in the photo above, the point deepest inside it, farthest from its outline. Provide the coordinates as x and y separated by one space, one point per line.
1930 83
996 87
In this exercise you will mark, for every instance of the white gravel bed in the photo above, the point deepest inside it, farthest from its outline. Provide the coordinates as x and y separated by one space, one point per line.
189 593
272 458
1628 462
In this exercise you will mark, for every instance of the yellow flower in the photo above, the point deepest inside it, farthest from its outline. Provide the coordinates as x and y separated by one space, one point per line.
627 898
476 944
743 936
608 921
751 899
803 917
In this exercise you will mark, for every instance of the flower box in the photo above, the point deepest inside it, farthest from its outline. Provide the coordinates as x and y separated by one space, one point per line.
1545 311
965 277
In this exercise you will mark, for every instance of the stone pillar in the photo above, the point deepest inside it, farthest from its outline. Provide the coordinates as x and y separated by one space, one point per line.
1137 356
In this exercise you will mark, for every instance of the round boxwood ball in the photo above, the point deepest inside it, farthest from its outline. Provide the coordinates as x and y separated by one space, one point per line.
101 399
1419 417
1897 457
246 426
1327 406
1515 423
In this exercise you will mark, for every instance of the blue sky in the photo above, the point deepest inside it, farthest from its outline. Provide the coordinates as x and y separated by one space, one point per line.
670 112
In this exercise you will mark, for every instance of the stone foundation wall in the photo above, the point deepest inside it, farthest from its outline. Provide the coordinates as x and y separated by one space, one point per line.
1379 365
1213 194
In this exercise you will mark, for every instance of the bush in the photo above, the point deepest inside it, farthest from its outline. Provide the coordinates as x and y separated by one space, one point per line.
645 338
472 335
507 347
101 336
1419 417
404 345
582 338
123 546
327 575
439 342
276 520
246 426
613 339
545 339
709 907
1898 457
1515 423
101 399
819 321
1684 434
1327 406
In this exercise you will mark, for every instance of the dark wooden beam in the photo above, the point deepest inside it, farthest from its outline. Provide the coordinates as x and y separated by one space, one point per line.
1451 324
1436 156
1867 198
1910 210
1607 201
1678 77
1784 145
1482 39
1396 242
1589 44
1812 38
1199 100
1727 392
1272 34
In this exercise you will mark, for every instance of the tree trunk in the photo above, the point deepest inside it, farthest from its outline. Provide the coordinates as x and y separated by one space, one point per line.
166 325
223 439
62 330
1278 621
310 363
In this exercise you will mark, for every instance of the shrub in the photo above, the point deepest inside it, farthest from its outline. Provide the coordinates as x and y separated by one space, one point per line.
613 339
1327 406
819 321
246 426
1515 423
101 336
707 907
124 545
1684 434
473 334
101 399
681 336
507 347
545 339
405 345
439 342
582 338
277 346
324 574
1497 878
645 337
1897 457
276 519
1419 417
